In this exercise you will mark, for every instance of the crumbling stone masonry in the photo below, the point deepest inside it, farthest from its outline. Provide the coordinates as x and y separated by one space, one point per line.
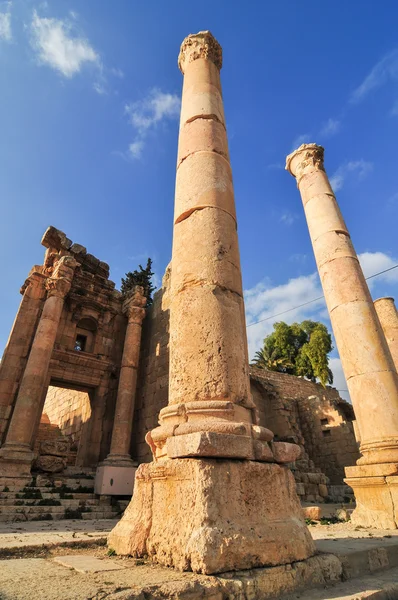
371 375
214 498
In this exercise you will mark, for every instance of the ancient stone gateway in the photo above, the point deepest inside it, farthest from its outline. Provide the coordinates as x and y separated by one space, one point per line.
368 366
216 496
68 336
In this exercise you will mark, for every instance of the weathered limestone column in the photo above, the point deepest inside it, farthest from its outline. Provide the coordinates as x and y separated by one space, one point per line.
15 354
371 376
115 476
16 454
388 317
191 509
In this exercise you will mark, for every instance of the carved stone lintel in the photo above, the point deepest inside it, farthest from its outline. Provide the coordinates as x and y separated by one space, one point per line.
307 158
133 306
200 45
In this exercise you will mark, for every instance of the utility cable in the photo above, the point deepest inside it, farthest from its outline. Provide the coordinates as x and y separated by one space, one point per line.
314 300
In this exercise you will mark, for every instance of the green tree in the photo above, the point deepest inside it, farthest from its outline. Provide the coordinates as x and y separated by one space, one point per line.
300 349
141 277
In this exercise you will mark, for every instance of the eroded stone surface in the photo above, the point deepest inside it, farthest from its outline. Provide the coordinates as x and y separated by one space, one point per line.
211 516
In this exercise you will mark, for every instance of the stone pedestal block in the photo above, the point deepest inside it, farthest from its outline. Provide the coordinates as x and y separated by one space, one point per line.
212 516
376 494
114 481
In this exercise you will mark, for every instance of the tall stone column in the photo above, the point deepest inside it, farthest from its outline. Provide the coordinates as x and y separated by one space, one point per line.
190 509
115 476
371 376
15 354
16 454
388 317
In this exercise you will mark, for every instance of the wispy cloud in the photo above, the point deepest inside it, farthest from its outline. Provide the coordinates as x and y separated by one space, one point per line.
331 127
392 202
384 71
58 45
135 149
288 218
275 167
303 138
359 168
5 23
146 114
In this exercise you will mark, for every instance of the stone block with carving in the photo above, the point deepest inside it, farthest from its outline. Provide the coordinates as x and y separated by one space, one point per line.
58 447
50 464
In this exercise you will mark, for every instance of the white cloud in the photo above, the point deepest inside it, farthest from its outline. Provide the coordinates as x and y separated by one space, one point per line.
375 262
145 115
5 23
288 218
151 110
264 301
359 167
384 71
331 127
57 46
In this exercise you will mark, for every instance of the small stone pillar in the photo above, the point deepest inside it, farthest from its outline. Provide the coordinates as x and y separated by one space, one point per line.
214 498
371 376
16 454
388 317
115 476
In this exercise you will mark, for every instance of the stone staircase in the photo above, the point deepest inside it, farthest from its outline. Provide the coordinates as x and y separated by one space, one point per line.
55 497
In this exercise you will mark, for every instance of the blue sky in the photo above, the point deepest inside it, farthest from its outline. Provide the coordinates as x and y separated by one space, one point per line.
89 103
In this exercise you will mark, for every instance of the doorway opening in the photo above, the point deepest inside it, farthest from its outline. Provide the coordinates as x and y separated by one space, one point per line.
66 414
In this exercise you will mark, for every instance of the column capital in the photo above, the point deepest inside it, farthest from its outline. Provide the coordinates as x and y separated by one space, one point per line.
200 45
307 158
133 306
57 286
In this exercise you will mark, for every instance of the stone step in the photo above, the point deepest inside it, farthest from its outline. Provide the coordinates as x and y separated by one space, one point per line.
47 495
63 502
55 513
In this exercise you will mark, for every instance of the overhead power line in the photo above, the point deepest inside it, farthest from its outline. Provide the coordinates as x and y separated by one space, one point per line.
313 300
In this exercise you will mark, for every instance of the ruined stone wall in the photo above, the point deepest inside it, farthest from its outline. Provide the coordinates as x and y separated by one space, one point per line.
322 416
329 437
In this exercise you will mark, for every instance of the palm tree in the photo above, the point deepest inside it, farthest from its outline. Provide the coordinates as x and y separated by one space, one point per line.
271 359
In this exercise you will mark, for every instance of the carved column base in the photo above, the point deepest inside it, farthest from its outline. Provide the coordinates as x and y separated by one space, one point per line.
15 460
219 429
115 479
380 452
212 516
376 494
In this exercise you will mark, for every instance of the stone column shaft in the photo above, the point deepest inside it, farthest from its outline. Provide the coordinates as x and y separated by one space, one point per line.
388 317
209 386
371 377
124 412
28 404
190 510
19 342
